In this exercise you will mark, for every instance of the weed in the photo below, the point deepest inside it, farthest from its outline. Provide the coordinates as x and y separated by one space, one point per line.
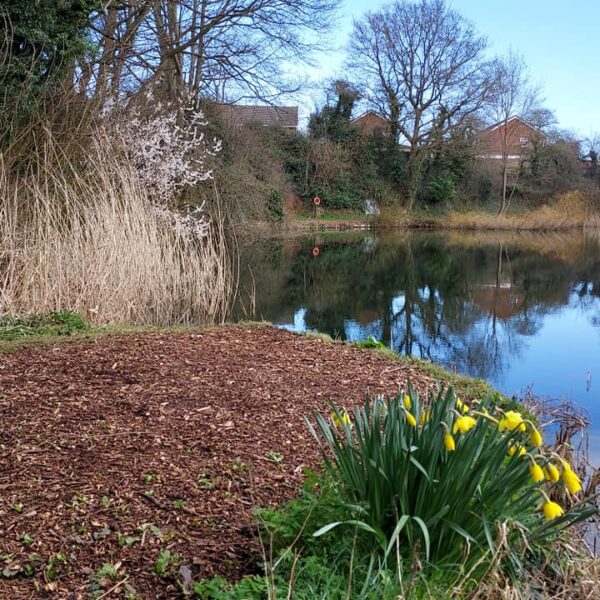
239 465
77 501
275 457
165 563
204 481
127 540
179 503
149 478
53 567
371 342
108 571
26 539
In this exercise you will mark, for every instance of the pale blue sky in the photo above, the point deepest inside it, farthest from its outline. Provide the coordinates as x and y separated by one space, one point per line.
559 39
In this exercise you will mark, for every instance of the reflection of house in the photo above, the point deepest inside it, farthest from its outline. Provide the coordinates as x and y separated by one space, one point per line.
277 116
519 136
366 317
501 301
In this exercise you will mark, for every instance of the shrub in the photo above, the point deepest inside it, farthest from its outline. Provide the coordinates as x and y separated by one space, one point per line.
454 481
275 205
441 188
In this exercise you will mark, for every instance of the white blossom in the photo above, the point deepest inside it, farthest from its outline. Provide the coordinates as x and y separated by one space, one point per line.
166 146
192 225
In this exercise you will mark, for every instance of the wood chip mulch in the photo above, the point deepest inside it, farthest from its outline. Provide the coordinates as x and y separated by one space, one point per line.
115 449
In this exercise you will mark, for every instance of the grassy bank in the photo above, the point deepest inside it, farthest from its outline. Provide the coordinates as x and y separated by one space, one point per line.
569 211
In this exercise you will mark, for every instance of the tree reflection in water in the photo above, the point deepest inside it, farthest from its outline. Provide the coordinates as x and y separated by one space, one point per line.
470 302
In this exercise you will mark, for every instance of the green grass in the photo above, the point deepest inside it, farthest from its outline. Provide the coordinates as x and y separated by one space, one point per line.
64 326
332 215
57 323
465 386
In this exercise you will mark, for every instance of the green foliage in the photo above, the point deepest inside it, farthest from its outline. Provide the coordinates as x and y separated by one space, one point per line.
275 206
107 571
339 196
218 588
338 566
333 121
403 485
441 188
44 40
62 322
371 342
165 563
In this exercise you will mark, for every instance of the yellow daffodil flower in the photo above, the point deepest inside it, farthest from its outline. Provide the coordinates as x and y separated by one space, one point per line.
449 442
462 406
511 420
463 424
535 437
410 419
552 473
425 416
344 421
406 401
516 448
552 510
572 481
536 472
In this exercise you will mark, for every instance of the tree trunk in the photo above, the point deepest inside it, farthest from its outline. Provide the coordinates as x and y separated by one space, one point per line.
504 167
415 173
504 185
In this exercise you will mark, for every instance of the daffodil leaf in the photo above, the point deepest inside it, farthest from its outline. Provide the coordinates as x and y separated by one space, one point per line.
419 466
326 528
461 531
425 531
399 527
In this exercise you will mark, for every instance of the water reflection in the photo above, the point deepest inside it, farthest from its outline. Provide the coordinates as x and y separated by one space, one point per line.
487 305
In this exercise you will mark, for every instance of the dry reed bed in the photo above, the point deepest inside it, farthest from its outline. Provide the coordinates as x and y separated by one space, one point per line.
568 211
87 238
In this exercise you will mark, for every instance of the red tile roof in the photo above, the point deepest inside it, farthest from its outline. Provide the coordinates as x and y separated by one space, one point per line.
282 116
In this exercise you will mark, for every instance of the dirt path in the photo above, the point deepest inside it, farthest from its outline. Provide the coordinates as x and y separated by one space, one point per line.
117 449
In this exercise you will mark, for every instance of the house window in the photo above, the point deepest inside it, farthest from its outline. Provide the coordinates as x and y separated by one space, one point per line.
524 141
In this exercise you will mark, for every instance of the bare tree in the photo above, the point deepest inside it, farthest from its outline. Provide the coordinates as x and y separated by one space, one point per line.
513 95
421 64
229 49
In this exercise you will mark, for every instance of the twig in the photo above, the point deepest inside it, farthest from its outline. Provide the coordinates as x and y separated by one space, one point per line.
112 589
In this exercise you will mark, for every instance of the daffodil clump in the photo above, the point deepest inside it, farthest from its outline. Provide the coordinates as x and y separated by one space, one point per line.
447 472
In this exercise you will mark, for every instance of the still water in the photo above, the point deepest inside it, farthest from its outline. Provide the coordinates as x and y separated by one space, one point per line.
521 311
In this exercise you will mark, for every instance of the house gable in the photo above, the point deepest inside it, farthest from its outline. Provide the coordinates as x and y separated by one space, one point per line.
371 122
521 137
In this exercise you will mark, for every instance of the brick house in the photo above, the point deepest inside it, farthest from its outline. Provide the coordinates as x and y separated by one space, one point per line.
277 116
372 122
520 136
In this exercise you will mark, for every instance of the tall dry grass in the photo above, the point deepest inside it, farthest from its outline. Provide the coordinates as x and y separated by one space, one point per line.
567 211
83 236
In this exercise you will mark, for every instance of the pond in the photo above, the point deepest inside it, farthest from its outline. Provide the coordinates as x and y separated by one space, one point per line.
521 311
